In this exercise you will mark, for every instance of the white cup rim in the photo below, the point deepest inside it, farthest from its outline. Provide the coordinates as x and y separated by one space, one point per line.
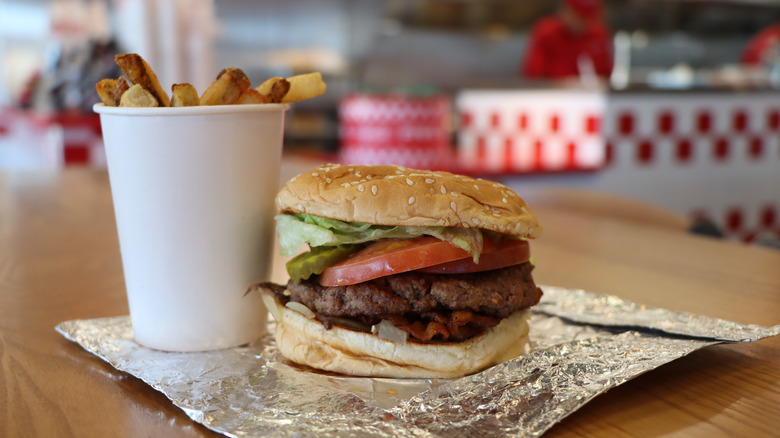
189 110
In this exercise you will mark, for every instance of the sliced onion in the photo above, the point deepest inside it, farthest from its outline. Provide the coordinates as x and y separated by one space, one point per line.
300 308
270 304
386 330
347 323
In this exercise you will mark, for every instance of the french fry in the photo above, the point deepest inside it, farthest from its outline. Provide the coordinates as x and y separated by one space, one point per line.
274 89
279 90
138 72
305 86
251 96
184 95
138 96
105 90
230 84
265 87
121 87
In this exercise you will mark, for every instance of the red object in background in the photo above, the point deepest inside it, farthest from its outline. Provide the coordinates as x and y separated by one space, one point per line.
406 130
645 152
553 51
80 133
587 9
761 47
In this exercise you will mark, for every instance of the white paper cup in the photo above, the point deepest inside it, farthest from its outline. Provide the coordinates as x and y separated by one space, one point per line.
193 192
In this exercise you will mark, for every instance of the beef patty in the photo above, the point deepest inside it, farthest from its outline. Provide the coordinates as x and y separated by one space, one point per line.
497 293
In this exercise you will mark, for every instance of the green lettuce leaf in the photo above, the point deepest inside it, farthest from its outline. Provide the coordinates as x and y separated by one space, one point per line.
294 230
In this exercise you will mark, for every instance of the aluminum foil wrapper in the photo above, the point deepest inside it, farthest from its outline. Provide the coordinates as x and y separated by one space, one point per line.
582 345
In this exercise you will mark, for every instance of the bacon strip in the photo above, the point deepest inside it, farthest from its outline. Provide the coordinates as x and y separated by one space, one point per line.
459 325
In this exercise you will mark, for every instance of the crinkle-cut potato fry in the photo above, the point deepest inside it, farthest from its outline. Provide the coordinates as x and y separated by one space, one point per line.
138 72
138 96
184 95
305 86
230 84
252 96
105 90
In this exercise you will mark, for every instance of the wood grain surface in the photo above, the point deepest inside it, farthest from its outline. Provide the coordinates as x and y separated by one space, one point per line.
59 260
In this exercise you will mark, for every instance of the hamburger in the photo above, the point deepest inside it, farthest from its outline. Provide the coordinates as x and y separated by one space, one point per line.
407 273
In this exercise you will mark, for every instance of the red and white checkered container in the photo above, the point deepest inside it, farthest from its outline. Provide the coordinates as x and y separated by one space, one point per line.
703 154
411 131
521 131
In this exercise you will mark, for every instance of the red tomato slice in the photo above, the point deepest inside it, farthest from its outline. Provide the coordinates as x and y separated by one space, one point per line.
507 252
387 257
390 256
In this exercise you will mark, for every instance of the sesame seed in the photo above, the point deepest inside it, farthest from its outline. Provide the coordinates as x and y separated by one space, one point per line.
430 180
454 194
360 188
294 178
524 210
453 206
368 177
443 190
328 180
344 184
476 187
373 189
430 189
357 174
409 181
315 174
411 200
504 200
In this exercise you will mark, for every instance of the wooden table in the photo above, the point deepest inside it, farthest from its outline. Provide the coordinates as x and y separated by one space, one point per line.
59 260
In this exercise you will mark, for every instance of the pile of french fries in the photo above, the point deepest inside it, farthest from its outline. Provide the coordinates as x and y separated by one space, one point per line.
139 87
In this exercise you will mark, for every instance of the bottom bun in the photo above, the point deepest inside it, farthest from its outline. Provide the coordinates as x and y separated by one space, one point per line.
306 341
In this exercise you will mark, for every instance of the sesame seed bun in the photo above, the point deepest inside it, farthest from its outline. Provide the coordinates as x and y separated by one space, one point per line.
394 195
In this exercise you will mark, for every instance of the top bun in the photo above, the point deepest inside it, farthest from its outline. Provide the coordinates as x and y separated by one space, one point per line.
394 195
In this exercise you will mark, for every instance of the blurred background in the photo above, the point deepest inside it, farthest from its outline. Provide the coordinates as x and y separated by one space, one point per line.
679 106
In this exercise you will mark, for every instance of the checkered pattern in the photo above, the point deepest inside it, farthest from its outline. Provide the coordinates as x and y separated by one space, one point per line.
390 129
715 155
710 155
530 131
